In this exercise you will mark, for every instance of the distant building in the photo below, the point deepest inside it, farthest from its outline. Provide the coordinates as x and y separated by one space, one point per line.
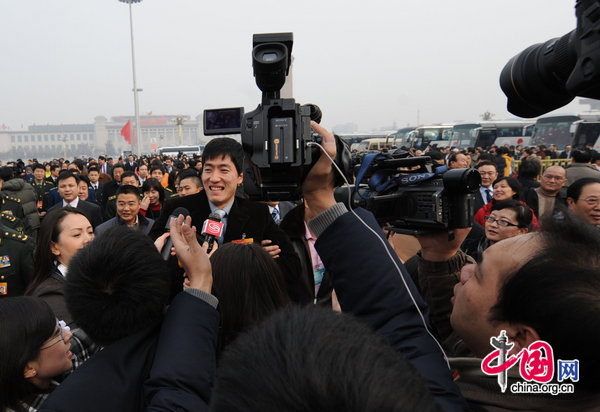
101 137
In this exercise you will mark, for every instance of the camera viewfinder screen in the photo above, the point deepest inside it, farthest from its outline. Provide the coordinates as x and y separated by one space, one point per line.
223 121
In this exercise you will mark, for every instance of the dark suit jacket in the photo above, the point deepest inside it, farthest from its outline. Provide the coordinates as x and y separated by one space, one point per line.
479 202
90 210
98 193
247 219
52 292
145 224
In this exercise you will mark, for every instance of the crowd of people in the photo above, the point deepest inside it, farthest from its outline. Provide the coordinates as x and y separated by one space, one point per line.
110 299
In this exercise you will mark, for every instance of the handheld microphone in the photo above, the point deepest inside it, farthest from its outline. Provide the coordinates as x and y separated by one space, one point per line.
166 251
212 228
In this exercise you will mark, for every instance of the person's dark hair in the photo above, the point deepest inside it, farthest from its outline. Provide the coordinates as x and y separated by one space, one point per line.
524 214
25 324
249 286
190 174
513 183
486 157
486 163
44 259
298 360
93 169
529 169
574 190
435 155
117 285
581 156
65 174
152 183
221 147
157 167
128 173
557 292
6 173
101 158
38 166
452 157
127 190
54 166
84 178
80 164
172 176
118 166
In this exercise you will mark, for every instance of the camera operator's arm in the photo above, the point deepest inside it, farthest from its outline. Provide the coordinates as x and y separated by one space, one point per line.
183 371
367 282
437 267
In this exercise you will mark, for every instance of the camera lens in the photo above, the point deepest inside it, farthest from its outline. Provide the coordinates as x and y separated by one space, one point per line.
462 180
269 61
534 80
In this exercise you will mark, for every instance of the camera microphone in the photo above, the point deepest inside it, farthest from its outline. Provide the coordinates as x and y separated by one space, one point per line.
166 251
212 228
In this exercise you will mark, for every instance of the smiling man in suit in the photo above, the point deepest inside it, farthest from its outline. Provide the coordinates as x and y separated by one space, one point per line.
67 188
245 221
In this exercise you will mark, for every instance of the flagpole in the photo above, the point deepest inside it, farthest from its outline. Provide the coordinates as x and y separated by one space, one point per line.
134 147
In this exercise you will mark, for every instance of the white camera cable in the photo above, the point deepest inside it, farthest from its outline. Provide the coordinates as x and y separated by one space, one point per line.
386 250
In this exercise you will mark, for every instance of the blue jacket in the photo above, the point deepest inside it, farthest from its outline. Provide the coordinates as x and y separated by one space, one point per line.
368 285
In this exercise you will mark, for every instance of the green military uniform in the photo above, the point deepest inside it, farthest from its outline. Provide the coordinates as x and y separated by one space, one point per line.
41 191
16 262
11 206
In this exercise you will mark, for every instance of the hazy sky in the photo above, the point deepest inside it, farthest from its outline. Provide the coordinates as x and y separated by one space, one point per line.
366 62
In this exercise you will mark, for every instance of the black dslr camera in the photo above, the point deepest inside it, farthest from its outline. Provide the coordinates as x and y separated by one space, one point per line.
276 135
412 196
547 76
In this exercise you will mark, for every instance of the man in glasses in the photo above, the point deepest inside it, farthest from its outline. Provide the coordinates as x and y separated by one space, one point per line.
583 197
549 196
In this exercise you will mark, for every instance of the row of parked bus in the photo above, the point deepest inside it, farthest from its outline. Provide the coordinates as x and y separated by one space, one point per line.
561 130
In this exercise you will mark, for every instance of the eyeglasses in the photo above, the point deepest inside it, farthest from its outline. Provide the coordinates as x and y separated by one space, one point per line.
550 177
59 338
500 222
592 201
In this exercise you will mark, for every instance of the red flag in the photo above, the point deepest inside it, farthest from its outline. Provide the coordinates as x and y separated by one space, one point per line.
150 113
126 131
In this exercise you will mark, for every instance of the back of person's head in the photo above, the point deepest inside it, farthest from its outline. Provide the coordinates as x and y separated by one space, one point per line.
436 155
575 189
117 285
312 359
66 174
529 169
581 156
25 324
557 292
249 285
524 213
6 173
79 163
222 147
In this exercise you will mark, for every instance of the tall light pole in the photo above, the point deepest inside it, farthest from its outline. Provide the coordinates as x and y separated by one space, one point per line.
138 130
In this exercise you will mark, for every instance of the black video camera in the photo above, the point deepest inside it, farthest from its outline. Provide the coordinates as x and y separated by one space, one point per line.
276 136
547 76
411 195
